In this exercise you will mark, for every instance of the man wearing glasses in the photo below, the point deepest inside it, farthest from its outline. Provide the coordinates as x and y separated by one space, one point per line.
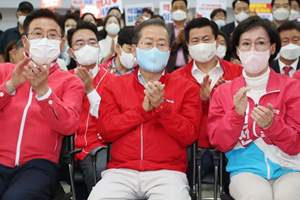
151 117
40 104
84 49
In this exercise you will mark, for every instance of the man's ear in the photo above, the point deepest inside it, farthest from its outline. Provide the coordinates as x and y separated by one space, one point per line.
188 46
118 49
71 53
133 50
62 44
25 43
217 42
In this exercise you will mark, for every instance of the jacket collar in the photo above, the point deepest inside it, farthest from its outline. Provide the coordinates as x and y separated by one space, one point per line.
188 69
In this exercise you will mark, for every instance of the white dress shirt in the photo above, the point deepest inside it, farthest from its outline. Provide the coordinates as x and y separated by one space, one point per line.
105 46
214 74
293 65
93 97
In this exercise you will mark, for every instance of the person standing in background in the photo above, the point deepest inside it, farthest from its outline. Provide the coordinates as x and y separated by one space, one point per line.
219 16
295 7
15 33
281 11
179 51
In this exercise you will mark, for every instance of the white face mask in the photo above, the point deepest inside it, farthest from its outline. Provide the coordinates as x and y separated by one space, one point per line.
294 15
254 61
221 51
281 14
220 23
44 50
146 18
179 15
21 20
113 28
241 16
203 52
290 51
127 60
87 55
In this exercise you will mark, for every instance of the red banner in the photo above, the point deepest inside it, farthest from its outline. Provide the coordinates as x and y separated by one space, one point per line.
50 3
94 9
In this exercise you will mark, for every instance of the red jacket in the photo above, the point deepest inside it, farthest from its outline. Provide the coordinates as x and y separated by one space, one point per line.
32 129
86 138
296 75
225 125
109 61
231 71
154 140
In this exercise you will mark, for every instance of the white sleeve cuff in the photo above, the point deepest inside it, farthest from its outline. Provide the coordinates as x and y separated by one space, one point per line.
94 99
45 96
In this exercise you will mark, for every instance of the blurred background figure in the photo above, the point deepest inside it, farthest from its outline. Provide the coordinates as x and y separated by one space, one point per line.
281 11
15 33
147 13
179 50
288 61
222 48
0 22
107 46
16 54
89 17
158 16
240 12
219 16
294 15
7 51
112 11
70 21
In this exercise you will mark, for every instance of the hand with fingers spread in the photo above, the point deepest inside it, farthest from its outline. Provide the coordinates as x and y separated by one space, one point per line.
220 81
109 69
17 78
205 88
263 116
37 75
86 77
240 100
155 93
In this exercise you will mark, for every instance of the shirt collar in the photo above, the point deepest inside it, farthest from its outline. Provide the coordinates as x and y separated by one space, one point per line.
195 68
141 78
235 23
118 73
109 39
282 65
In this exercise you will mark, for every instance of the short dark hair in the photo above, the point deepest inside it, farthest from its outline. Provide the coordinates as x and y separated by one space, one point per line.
80 26
273 1
216 11
235 1
0 16
185 1
223 34
289 25
10 46
151 22
109 16
147 10
74 16
42 13
85 14
125 36
157 16
114 8
199 23
252 23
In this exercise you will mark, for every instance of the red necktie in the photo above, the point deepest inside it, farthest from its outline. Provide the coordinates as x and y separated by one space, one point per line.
287 69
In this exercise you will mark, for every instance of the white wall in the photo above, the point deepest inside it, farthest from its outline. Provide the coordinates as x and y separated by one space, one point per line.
8 9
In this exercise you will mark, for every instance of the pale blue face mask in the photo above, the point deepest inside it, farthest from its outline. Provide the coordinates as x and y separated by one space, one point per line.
152 60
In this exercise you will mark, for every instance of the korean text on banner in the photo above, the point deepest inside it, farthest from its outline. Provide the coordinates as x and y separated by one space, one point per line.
132 12
204 8
105 4
50 3
264 10
94 9
165 11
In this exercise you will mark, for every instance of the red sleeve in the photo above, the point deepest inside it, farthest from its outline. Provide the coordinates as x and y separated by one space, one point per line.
112 122
184 125
224 128
297 75
62 114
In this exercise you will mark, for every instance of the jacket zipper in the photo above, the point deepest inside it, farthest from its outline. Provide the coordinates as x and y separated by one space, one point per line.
22 128
254 132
